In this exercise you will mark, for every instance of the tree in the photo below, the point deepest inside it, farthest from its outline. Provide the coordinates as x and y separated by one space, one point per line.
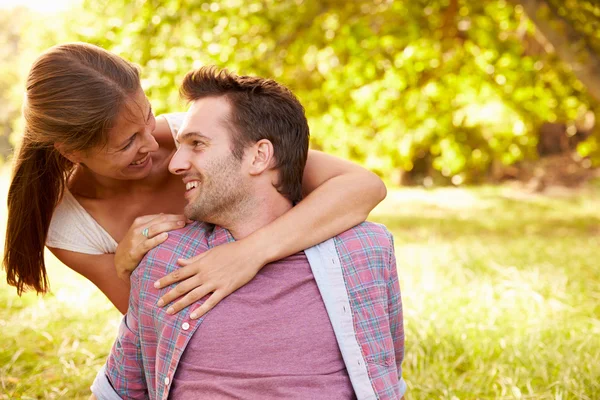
571 30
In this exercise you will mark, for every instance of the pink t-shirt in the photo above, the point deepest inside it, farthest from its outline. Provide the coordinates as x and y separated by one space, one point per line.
271 339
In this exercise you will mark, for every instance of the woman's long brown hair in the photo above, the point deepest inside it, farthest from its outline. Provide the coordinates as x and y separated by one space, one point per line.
74 93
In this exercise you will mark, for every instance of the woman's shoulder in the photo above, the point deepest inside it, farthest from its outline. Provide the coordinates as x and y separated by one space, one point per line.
73 228
167 126
174 121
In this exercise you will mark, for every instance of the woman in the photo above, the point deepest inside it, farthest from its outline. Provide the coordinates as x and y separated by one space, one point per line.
91 172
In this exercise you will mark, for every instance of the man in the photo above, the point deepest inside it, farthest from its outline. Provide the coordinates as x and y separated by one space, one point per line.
325 323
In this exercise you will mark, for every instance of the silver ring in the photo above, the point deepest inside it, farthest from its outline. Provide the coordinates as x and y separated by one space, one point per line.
146 232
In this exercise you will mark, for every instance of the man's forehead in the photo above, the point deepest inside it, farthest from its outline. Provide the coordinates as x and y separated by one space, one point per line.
207 116
212 106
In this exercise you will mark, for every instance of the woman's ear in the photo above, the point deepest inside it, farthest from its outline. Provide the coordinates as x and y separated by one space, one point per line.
262 157
72 156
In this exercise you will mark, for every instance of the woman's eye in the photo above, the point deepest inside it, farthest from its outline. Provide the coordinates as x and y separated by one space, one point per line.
128 145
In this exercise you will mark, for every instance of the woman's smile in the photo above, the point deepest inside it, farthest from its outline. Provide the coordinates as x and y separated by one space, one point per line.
141 163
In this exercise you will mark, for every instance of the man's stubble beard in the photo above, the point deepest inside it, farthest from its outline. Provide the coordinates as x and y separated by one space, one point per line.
223 193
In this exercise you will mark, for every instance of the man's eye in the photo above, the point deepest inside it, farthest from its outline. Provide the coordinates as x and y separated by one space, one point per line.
196 143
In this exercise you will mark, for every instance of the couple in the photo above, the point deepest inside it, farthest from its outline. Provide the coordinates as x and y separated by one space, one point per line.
325 323
275 336
91 174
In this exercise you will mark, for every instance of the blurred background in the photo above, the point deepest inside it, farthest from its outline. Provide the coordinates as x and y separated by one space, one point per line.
480 115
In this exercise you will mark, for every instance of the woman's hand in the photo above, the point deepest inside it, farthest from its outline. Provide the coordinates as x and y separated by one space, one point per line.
146 232
220 271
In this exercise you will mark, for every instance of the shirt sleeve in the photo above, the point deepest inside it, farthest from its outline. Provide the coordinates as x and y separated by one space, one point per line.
102 387
124 368
395 312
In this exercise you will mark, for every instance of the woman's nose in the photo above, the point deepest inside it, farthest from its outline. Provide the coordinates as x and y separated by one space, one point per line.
150 143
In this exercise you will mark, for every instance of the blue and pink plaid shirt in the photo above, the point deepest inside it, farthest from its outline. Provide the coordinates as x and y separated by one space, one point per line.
357 278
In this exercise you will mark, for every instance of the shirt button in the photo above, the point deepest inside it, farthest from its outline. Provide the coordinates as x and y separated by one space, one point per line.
167 380
185 326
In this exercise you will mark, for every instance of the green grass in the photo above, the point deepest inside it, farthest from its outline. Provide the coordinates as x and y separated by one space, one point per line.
501 296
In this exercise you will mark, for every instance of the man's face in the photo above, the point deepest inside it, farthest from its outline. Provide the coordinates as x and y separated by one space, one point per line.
215 184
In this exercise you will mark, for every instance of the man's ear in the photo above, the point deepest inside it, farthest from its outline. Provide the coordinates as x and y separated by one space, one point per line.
262 157
72 156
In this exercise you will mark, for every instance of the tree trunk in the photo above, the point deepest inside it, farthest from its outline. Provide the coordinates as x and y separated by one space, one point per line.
569 45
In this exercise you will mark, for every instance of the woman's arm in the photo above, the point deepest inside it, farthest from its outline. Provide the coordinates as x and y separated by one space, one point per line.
340 195
163 134
100 269
110 272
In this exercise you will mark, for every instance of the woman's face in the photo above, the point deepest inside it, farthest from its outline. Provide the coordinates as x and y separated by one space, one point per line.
127 154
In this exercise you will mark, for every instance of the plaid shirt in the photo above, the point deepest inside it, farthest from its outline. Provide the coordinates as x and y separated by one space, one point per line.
357 278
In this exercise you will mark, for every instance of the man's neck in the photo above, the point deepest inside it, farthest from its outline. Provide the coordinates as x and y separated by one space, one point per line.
259 211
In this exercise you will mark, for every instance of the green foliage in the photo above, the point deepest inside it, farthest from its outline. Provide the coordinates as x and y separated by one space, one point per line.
583 16
455 85
10 45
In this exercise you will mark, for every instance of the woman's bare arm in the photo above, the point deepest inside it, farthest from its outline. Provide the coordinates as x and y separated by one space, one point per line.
163 134
338 195
100 269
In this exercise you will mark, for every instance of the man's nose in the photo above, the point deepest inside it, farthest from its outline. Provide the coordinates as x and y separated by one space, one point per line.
178 164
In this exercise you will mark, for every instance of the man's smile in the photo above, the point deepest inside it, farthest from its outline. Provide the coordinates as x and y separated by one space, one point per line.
191 185
190 188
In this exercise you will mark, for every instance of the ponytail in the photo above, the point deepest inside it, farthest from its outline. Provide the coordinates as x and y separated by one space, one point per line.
37 185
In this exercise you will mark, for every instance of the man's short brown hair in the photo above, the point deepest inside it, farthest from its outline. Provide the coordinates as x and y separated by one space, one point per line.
261 109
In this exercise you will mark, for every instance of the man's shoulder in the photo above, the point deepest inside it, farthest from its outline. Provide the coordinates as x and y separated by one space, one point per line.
195 235
186 242
370 232
369 238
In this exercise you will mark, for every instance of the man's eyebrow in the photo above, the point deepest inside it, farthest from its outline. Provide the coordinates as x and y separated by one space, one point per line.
192 134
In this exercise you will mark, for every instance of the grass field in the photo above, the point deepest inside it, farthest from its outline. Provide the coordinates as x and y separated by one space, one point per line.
501 294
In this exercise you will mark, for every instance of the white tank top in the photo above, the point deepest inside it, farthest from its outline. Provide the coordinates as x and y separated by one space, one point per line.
73 228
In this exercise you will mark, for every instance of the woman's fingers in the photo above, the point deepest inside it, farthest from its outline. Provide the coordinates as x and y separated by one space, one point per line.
221 270
183 288
208 304
188 261
146 232
164 226
176 276
151 243
145 221
190 298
